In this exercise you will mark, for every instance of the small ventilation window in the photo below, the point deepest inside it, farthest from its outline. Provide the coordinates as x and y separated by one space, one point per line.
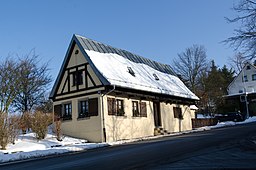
131 71
156 77
248 68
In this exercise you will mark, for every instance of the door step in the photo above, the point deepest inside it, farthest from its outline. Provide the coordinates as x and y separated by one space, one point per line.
160 131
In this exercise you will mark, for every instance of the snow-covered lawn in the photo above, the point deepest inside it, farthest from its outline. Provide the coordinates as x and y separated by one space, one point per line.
26 146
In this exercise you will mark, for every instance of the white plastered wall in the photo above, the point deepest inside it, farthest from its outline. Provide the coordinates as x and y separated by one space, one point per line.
86 128
128 127
172 124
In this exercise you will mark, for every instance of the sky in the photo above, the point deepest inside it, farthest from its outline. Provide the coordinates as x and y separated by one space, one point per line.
155 29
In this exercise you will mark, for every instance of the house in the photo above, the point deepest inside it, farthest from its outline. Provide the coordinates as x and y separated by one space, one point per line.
104 93
242 91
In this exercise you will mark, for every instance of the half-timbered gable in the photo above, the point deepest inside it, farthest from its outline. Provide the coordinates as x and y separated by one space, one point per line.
76 76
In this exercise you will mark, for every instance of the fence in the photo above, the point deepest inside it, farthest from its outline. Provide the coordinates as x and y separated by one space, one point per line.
200 122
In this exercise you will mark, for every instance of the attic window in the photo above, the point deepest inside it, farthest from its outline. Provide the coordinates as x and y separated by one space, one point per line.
156 77
245 79
131 71
248 68
77 77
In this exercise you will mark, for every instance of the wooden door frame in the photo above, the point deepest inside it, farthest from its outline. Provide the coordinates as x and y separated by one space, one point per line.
157 114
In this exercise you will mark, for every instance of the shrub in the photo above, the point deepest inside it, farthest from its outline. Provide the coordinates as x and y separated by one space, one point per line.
14 121
9 128
39 123
25 122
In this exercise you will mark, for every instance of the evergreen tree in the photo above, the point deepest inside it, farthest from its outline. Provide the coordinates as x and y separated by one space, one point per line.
215 83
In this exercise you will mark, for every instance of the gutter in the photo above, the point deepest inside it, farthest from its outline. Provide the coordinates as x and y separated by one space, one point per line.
103 136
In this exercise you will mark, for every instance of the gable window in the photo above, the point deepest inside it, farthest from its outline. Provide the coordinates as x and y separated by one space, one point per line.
77 77
254 77
245 79
177 112
88 108
115 107
135 108
248 68
67 112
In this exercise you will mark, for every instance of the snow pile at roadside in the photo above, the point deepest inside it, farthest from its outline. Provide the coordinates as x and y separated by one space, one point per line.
228 123
26 146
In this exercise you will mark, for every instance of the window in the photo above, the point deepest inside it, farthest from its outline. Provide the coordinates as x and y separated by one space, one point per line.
139 111
254 77
77 77
156 77
120 107
115 107
67 114
83 109
135 109
131 71
245 79
248 68
111 106
88 108
177 112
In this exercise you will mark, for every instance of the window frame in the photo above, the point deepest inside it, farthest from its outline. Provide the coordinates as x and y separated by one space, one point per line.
77 78
120 107
89 109
83 109
253 77
245 78
67 111
177 112
135 109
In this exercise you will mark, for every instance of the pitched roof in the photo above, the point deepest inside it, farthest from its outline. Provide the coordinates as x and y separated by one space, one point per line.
113 66
92 45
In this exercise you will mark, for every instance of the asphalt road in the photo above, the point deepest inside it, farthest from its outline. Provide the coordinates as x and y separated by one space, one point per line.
230 147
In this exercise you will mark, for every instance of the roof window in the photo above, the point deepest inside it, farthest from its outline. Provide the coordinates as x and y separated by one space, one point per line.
156 77
131 71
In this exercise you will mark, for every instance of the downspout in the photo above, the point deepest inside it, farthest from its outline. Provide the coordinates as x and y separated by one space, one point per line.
103 136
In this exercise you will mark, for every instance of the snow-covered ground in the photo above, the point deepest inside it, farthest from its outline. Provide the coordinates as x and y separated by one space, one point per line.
26 146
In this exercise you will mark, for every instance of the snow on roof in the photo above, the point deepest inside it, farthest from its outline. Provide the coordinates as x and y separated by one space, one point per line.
114 68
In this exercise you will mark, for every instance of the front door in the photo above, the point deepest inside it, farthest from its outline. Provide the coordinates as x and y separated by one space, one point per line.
157 115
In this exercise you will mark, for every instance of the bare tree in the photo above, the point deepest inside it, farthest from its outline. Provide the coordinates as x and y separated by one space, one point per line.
9 84
190 65
237 62
34 83
245 36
